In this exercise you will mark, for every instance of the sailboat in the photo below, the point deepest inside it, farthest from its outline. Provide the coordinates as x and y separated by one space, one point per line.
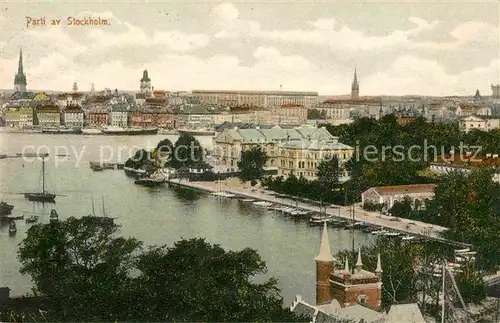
103 220
33 218
42 196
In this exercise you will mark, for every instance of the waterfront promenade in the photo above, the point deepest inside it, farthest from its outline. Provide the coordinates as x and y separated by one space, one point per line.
234 186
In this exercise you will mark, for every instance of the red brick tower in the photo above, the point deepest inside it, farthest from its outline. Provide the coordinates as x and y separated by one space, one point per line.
324 268
354 286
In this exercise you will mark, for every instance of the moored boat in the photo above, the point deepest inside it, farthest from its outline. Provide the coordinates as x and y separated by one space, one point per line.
117 131
61 131
197 132
12 228
91 131
5 208
32 219
262 203
42 196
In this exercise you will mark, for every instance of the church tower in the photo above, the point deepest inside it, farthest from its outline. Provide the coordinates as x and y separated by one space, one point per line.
324 268
355 87
145 83
20 79
358 286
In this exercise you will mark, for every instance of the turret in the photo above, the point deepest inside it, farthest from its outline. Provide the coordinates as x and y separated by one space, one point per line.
359 263
378 270
324 267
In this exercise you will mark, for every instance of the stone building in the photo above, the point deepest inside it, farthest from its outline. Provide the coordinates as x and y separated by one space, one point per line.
388 195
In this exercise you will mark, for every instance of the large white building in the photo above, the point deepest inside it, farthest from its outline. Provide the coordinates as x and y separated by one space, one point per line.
264 99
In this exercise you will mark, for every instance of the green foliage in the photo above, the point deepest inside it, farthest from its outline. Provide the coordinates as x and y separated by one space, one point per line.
314 114
90 274
187 152
372 207
401 208
80 265
329 172
164 151
252 164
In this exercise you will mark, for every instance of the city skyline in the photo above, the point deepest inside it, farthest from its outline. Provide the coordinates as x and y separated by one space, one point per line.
398 49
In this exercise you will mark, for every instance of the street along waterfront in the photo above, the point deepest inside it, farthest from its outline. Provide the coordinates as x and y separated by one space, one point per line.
156 216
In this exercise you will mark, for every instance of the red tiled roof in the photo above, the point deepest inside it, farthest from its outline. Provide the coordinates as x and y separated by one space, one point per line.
402 189
76 95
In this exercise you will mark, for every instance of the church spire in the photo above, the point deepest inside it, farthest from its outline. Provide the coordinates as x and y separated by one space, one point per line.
20 78
346 268
20 66
355 86
325 254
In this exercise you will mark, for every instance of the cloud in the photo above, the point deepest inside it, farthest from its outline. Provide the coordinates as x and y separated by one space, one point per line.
135 37
324 32
465 34
225 12
410 74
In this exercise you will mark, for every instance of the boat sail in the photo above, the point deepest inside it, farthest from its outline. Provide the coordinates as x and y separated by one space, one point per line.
42 196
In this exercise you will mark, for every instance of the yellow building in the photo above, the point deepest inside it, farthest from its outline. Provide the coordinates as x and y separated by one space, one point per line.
297 150
18 116
263 99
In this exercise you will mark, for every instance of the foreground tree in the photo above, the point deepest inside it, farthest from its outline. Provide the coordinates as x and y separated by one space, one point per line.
90 274
81 266
252 164
208 284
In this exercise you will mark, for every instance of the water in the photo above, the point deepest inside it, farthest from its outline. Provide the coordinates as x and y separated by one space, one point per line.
155 216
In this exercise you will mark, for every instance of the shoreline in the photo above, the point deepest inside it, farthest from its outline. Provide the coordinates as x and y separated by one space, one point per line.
422 229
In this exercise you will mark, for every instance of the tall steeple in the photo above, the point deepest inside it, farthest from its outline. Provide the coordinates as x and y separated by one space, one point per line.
324 268
20 78
20 66
359 263
355 86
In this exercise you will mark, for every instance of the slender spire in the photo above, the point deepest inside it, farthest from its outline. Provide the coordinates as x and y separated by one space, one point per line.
355 80
20 66
325 253
379 264
359 263
346 268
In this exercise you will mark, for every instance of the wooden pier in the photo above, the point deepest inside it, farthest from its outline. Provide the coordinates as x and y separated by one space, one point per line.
97 166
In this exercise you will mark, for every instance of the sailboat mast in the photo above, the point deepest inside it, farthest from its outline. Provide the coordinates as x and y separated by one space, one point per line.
442 293
103 210
43 175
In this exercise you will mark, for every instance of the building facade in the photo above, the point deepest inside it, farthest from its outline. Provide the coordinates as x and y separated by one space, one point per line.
48 116
98 117
73 117
495 91
262 99
289 150
388 195
119 116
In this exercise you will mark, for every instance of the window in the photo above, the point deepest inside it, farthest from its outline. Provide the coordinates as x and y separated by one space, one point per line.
362 299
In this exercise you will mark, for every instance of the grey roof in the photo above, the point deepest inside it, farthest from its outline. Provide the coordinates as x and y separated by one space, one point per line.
408 313
359 312
322 317
304 309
